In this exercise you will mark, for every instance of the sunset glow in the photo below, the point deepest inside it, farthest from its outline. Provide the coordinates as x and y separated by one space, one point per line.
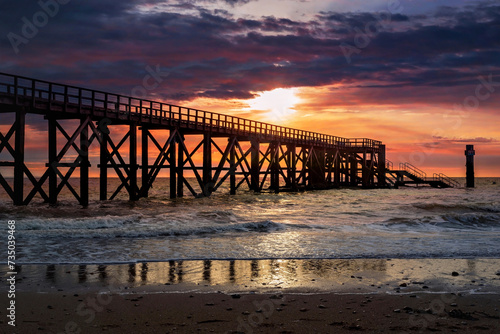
414 75
278 105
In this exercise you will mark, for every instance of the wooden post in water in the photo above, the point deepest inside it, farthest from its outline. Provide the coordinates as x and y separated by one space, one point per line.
207 164
19 157
337 166
469 153
232 165
365 171
180 167
353 177
274 166
133 163
255 165
84 162
292 168
173 169
52 160
317 168
103 165
145 162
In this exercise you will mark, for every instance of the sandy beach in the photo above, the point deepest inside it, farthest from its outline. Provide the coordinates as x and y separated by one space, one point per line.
373 296
256 313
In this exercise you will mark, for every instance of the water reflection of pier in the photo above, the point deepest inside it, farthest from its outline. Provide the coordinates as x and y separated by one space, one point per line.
210 272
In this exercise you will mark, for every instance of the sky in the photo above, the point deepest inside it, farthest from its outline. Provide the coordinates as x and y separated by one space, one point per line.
421 76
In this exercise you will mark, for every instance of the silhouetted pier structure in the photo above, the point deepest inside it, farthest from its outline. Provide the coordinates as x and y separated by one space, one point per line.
261 155
407 174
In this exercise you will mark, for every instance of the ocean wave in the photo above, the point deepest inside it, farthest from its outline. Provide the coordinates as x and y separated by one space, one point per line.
117 229
464 221
207 216
61 224
462 207
264 226
474 220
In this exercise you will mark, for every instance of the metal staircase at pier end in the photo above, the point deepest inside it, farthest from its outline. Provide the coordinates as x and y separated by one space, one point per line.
407 175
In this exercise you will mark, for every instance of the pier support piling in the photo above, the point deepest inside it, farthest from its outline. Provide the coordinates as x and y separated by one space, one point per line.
317 168
353 177
173 169
180 167
292 166
19 158
145 162
84 163
337 169
207 165
274 167
103 165
133 189
255 165
52 165
232 165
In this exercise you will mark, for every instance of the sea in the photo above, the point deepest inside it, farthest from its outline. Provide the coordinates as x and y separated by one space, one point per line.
405 223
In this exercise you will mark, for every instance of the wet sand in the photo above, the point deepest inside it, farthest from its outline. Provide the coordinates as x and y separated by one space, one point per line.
256 313
267 296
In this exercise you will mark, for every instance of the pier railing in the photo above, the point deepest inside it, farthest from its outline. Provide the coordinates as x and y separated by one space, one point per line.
407 167
389 164
445 179
69 98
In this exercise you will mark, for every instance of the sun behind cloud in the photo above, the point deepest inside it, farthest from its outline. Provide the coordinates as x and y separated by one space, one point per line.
276 106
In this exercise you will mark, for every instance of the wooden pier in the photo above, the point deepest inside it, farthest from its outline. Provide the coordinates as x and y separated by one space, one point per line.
262 156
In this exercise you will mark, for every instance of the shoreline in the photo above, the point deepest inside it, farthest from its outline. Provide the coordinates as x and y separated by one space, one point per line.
458 257
260 296
315 275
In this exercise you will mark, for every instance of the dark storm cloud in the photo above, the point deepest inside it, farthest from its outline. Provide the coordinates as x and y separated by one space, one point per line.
237 2
232 3
360 19
209 53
